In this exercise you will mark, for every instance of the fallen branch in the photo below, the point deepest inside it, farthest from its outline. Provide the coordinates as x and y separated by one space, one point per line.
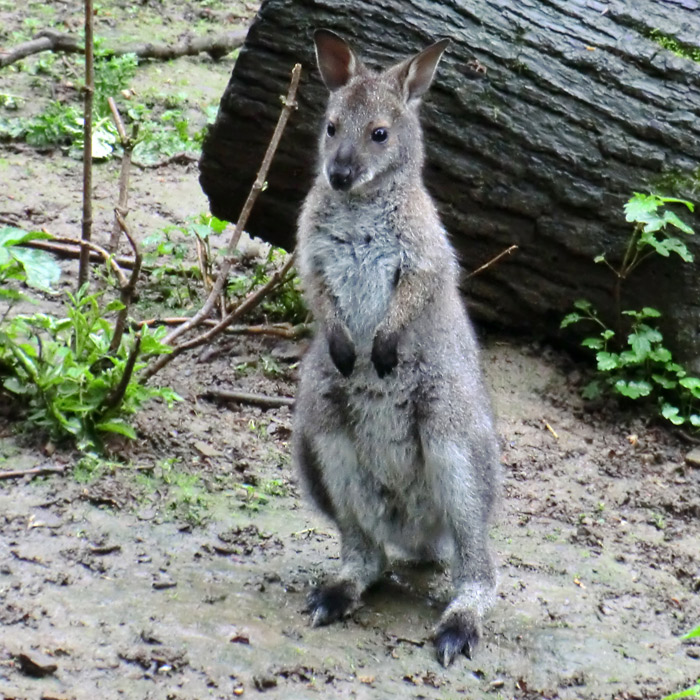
289 105
49 40
181 158
243 397
96 253
37 471
280 330
105 255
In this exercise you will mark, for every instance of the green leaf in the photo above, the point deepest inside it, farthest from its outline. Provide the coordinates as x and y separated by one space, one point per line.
569 319
594 343
640 206
41 268
672 413
664 381
14 385
671 218
117 425
695 422
633 389
692 634
593 390
583 305
607 361
691 383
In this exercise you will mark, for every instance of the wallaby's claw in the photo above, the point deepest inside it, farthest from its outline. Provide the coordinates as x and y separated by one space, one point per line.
342 349
385 355
328 604
456 636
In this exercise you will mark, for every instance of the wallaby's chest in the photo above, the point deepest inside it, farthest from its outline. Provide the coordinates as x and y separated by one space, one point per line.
358 254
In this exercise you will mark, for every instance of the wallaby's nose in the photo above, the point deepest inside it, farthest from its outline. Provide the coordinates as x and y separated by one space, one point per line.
340 176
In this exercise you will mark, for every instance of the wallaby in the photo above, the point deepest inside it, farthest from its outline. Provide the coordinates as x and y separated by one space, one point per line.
393 433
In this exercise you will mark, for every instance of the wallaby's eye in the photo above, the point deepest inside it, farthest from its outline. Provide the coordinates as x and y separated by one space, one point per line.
380 135
330 129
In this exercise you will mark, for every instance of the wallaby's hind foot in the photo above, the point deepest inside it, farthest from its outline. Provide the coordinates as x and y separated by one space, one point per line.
330 603
459 632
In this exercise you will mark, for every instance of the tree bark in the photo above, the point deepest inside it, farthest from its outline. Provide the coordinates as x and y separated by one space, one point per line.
544 117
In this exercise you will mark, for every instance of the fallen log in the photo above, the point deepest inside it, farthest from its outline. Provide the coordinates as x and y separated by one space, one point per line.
543 119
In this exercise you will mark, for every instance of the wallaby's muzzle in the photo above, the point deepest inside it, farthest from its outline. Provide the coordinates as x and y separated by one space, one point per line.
341 173
340 176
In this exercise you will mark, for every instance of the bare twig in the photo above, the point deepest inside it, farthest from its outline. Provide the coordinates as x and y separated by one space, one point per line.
128 146
37 471
114 398
250 302
493 261
127 290
289 105
84 267
49 40
243 397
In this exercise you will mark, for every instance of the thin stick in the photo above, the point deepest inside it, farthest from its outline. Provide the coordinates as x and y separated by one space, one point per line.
37 471
109 259
127 290
250 302
84 267
280 330
114 398
244 397
493 261
124 173
289 105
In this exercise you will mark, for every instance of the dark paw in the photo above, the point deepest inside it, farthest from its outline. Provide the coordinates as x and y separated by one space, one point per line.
385 355
456 635
342 349
330 603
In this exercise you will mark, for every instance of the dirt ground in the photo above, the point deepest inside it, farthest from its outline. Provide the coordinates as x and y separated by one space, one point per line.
179 570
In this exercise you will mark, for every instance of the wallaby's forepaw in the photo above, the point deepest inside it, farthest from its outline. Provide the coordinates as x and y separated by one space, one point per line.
341 348
459 633
385 354
327 604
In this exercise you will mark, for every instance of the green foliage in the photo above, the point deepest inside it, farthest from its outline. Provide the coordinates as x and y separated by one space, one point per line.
636 364
186 497
20 265
286 302
174 276
64 374
161 133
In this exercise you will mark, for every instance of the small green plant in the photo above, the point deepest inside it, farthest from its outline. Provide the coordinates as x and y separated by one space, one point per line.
67 376
693 691
632 360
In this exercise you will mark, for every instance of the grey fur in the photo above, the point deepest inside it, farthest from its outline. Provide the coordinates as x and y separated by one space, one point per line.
393 431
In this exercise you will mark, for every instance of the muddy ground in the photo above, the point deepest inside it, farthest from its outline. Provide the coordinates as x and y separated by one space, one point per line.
179 568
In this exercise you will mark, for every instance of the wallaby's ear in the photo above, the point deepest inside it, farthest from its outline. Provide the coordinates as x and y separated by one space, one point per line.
415 74
336 60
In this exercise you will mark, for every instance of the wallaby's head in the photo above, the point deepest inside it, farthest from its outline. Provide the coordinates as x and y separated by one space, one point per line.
371 133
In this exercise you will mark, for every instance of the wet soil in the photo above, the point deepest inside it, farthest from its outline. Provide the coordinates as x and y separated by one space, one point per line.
179 568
